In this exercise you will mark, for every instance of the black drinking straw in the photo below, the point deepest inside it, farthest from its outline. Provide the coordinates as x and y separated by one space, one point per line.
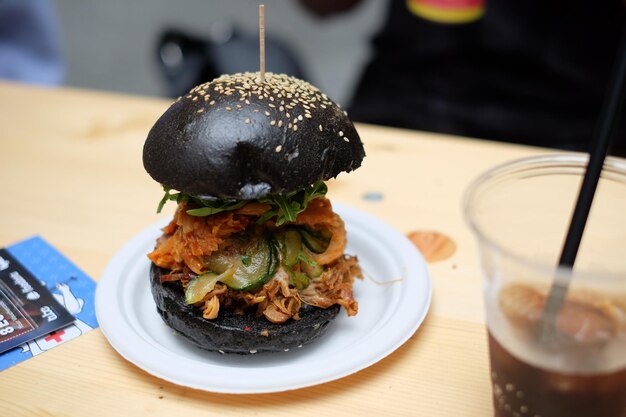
599 147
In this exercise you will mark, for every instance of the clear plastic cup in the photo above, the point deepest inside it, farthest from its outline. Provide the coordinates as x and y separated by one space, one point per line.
520 212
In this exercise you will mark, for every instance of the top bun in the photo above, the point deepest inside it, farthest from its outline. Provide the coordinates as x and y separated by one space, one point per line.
235 138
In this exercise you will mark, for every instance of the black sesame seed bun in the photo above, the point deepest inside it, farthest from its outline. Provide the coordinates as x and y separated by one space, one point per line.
229 333
236 138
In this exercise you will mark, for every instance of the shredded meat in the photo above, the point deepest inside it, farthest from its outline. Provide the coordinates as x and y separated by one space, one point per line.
334 286
188 239
184 277
275 300
281 302
211 308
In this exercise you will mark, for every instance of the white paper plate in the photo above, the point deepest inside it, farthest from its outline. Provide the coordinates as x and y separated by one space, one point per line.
393 301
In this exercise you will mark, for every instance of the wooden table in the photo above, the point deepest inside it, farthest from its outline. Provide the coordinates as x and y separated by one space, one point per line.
71 169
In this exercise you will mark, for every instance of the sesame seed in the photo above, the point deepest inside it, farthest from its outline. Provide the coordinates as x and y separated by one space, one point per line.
200 110
273 122
321 129
228 108
279 148
340 133
280 123
295 127
247 120
346 139
292 94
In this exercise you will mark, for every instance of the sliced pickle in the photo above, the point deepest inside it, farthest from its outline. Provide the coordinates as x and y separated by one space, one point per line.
201 286
219 262
253 261
258 271
315 242
313 271
299 280
292 245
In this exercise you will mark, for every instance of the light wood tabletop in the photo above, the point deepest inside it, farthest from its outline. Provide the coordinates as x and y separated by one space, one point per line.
71 170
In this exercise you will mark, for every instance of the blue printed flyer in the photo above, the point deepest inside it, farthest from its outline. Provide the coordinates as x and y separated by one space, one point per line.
27 268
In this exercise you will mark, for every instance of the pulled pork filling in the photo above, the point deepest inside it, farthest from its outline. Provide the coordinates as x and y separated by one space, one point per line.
320 276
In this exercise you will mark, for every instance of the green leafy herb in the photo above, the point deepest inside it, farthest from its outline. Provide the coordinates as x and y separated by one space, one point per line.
246 260
267 215
288 210
170 196
285 207
306 259
213 207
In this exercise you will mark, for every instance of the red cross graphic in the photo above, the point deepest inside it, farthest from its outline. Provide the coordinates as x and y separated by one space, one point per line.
56 336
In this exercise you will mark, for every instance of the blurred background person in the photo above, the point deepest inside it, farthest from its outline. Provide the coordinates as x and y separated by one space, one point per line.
30 42
532 72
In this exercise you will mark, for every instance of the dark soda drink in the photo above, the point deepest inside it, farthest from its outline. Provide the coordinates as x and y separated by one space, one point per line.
524 390
557 334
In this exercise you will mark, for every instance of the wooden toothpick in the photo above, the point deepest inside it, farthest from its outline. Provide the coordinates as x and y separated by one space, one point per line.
262 41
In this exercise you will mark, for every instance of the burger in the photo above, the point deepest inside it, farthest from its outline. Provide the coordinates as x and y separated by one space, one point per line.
253 259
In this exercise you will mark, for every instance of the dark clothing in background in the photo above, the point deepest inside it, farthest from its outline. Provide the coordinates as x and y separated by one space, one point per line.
531 72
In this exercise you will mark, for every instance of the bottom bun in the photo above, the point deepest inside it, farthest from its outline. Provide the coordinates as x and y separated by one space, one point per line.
231 333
